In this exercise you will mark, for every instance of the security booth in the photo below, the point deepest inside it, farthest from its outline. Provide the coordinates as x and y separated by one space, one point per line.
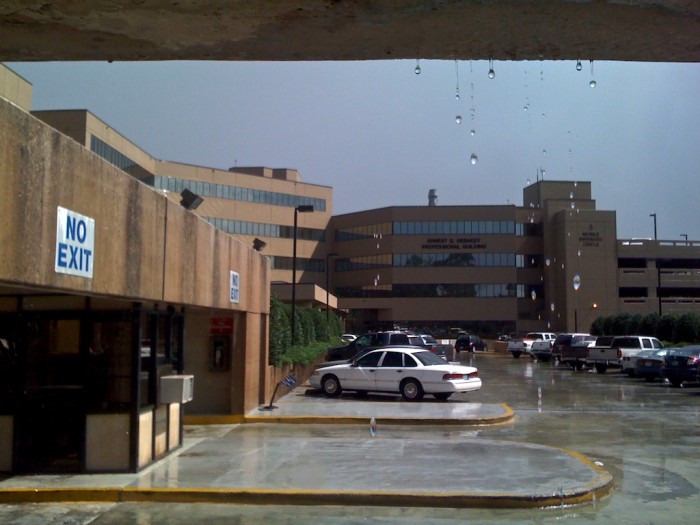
81 386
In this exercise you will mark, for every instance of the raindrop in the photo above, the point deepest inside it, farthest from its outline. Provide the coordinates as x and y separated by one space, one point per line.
577 282
376 281
533 294
573 205
525 107
458 119
417 70
575 183
562 266
532 204
527 183
547 262
457 94
472 132
492 73
571 194
551 307
373 427
473 159
593 83
544 172
544 152
579 66
579 253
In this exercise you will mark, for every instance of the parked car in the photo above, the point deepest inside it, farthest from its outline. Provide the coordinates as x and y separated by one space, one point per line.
649 363
469 343
524 346
348 338
370 340
443 350
618 351
572 349
682 365
409 371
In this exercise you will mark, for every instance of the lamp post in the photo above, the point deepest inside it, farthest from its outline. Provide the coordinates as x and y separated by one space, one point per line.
328 256
302 208
658 270
685 236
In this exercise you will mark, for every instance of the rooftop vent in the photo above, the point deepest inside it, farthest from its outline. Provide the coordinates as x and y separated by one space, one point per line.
432 198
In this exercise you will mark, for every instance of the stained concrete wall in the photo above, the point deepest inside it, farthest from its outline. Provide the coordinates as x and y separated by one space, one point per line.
650 30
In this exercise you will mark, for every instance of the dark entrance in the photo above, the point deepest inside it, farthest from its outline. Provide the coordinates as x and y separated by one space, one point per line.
59 367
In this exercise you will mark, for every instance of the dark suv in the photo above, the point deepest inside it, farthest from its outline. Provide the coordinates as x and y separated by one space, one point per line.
371 340
469 343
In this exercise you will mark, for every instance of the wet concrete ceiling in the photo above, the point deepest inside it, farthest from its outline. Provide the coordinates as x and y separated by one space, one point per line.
637 30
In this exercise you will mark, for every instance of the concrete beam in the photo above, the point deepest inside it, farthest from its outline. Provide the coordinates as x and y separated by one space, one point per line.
635 30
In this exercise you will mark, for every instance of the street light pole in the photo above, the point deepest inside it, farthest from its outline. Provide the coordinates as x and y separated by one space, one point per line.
299 209
654 215
658 270
685 236
328 256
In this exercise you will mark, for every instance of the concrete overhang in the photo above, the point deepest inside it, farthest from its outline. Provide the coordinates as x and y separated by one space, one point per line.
634 30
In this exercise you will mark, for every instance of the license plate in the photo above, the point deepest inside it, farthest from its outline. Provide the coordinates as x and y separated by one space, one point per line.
674 362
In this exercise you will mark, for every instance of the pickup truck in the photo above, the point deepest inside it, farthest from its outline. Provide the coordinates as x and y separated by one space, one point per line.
517 347
572 349
612 355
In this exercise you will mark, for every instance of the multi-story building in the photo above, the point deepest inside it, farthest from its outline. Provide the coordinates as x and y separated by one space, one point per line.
552 263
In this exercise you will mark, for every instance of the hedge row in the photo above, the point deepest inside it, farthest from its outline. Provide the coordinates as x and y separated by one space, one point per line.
313 333
672 328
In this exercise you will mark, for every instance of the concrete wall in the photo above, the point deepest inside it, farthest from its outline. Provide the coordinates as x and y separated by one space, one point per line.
147 247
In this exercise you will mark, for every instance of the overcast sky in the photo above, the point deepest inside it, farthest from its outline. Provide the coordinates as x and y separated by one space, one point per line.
381 135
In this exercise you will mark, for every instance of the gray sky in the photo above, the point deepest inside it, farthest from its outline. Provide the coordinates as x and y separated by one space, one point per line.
381 135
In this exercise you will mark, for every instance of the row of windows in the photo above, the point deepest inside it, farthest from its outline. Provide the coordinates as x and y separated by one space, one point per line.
120 160
457 228
363 232
431 260
435 290
639 291
412 260
266 230
224 191
304 265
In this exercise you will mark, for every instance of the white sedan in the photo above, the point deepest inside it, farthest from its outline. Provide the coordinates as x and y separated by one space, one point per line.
410 371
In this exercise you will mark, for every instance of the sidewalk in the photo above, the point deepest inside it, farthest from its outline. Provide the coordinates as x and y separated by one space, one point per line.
342 464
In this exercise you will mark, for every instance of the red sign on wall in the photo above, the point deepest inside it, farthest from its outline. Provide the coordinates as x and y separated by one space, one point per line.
221 326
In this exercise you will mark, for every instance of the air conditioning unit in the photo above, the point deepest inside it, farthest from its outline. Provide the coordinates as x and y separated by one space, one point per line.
176 388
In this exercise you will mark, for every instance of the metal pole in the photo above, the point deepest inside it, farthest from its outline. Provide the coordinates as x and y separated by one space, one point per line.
294 276
654 215
328 284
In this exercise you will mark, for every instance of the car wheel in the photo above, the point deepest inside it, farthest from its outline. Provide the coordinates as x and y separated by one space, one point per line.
516 355
331 386
443 396
411 390
577 366
601 368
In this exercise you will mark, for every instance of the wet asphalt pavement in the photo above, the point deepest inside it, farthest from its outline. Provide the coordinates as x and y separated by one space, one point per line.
646 435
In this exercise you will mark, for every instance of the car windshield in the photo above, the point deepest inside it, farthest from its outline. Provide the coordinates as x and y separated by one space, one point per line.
428 358
429 339
688 351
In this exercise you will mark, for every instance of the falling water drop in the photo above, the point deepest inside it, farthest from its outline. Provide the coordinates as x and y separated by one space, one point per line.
544 152
593 83
525 107
527 183
458 119
543 172
575 183
472 132
533 294
577 282
373 427
492 73
578 253
571 194
573 205
547 262
551 307
417 70
473 159
579 66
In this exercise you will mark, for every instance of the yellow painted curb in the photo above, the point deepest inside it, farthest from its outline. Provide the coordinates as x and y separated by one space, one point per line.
226 419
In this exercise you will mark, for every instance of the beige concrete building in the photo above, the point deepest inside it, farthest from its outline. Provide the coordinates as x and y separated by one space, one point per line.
112 298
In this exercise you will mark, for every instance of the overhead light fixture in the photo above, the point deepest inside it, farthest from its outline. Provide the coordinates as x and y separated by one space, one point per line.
259 245
190 200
